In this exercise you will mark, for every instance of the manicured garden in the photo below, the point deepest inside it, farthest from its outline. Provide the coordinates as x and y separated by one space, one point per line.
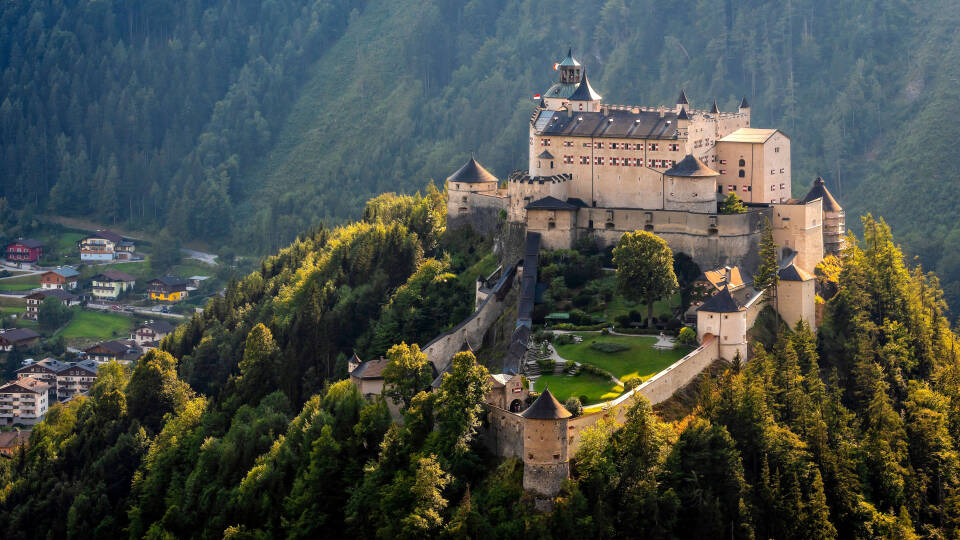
594 387
639 359
624 357
97 325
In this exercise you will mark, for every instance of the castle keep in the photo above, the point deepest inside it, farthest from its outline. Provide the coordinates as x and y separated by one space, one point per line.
599 170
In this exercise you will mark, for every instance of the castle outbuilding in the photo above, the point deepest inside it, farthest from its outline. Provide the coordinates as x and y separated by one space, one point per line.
546 463
796 296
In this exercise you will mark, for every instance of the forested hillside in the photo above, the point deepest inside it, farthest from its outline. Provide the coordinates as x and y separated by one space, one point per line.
245 123
243 427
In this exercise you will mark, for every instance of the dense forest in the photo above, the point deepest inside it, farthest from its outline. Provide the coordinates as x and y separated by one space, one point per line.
244 123
241 425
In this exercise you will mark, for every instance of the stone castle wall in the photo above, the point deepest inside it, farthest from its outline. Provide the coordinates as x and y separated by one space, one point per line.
482 211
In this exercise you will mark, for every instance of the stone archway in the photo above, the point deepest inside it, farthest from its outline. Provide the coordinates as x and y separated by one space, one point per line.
516 405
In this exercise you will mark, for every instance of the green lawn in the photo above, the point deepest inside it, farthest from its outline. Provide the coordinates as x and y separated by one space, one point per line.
640 360
97 325
621 306
22 283
585 384
7 310
482 268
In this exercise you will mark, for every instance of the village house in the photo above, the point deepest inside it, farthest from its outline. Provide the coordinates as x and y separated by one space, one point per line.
104 246
110 284
167 289
368 377
124 351
25 250
152 333
10 441
17 337
24 401
34 300
65 379
195 282
61 277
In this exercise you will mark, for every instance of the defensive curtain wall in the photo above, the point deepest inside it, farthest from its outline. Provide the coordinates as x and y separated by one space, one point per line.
510 435
470 332
482 211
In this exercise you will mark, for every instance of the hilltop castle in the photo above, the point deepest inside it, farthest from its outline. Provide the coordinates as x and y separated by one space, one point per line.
599 170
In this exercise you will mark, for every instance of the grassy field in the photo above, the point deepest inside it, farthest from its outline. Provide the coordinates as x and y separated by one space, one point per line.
484 267
621 306
21 283
97 325
596 388
640 360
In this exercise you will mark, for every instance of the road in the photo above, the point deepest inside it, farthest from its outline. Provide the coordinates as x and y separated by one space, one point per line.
139 311
209 258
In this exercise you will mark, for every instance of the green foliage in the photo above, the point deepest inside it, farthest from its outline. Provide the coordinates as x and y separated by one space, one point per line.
687 336
52 314
732 205
573 405
609 347
766 273
644 268
407 373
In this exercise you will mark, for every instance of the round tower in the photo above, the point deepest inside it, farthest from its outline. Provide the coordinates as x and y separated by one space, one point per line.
834 218
690 186
569 77
470 179
545 461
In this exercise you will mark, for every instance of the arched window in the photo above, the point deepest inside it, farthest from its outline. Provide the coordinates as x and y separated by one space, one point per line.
743 162
742 174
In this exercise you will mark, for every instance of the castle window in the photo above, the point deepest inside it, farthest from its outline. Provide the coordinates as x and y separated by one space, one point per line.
776 150
588 145
551 225
723 162
673 147
782 186
743 162
781 170
613 146
654 147
608 225
599 144
773 171
626 162
544 142
742 173
744 188
556 456
614 161
773 188
584 160
598 160
568 159
731 187
568 143
723 171
720 189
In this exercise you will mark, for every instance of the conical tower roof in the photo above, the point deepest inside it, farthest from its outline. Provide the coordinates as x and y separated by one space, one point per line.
722 302
715 109
691 167
683 114
820 191
744 104
584 91
546 407
472 173
682 100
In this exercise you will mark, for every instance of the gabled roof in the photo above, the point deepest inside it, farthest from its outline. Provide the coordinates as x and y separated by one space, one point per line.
722 302
27 242
113 275
15 335
792 273
718 277
546 407
682 99
371 369
24 385
56 293
691 167
744 104
51 364
820 191
620 123
113 346
545 155
171 280
64 272
471 173
715 109
751 135
106 235
584 91
569 61
159 327
550 203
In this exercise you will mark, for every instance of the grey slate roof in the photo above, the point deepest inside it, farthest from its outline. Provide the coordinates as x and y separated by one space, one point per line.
56 293
171 280
722 302
550 203
545 155
682 99
683 114
28 242
471 173
18 334
546 407
584 91
820 191
792 273
744 104
617 123
691 167
715 109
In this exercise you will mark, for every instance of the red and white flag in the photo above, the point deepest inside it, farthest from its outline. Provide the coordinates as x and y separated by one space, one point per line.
556 66
536 96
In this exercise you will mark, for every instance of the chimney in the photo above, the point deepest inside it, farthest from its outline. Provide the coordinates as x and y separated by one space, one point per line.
728 274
